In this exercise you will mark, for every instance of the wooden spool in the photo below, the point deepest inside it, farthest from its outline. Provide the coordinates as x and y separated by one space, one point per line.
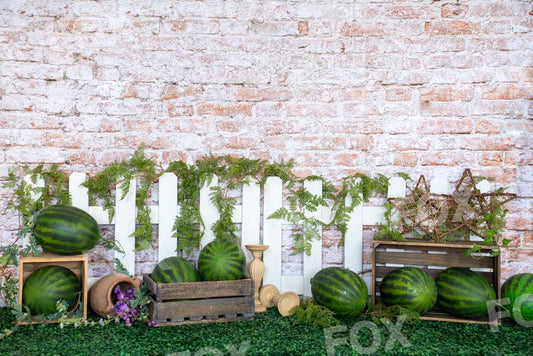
270 297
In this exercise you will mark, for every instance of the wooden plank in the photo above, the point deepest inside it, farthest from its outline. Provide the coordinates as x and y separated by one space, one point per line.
203 307
273 195
195 290
439 185
313 262
50 257
206 321
251 217
79 195
100 215
168 209
153 212
208 211
353 241
373 215
125 212
396 188
456 260
413 242
293 284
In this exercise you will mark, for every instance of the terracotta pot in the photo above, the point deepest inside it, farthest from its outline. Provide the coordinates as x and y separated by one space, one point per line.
101 293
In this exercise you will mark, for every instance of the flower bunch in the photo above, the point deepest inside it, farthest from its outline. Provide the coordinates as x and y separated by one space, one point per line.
122 307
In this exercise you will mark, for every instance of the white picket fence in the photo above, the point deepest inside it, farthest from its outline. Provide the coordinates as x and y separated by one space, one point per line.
248 214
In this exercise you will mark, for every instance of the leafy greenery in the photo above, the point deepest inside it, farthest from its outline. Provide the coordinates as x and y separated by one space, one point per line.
310 313
388 230
355 190
391 312
104 183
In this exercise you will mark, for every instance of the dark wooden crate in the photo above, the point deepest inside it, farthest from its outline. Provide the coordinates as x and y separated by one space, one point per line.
200 302
433 258
76 263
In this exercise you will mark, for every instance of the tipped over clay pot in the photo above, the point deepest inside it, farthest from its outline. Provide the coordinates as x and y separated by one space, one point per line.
101 297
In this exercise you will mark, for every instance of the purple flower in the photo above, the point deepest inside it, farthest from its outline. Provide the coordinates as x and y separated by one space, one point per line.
151 323
122 307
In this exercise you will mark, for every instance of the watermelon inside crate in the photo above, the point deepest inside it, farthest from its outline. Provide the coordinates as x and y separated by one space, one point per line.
78 264
433 258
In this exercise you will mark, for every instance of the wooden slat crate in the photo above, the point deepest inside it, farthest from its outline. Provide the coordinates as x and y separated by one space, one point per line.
433 258
76 263
200 302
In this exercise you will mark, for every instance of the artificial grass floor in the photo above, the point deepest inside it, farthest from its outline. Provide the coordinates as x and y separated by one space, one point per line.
267 334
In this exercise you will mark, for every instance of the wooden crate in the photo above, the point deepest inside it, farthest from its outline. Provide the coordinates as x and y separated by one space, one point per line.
433 258
200 302
76 263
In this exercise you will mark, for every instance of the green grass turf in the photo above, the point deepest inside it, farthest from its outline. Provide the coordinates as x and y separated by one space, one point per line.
267 334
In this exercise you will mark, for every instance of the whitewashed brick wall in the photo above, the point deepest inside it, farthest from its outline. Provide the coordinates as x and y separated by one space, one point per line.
342 86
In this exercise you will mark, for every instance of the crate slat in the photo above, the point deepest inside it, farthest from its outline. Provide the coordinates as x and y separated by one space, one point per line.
455 259
203 308
198 290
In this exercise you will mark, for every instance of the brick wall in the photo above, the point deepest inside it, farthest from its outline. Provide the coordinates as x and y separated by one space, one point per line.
424 87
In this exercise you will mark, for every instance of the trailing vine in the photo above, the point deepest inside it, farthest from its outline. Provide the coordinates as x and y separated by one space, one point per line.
355 190
102 185
28 198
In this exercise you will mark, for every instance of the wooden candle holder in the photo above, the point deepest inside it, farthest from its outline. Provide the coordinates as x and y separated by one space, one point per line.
270 297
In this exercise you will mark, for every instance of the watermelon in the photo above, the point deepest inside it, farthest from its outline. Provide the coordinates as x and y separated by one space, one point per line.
463 292
65 230
340 290
411 288
220 260
520 286
46 286
175 270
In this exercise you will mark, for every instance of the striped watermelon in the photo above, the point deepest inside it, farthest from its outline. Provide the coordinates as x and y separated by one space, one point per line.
340 290
46 286
221 260
175 270
65 230
411 288
520 286
463 292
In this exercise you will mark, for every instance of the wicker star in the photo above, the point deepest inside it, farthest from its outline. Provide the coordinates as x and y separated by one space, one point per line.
471 206
419 212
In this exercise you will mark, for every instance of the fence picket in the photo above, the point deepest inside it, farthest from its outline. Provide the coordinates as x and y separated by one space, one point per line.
353 241
79 194
273 196
208 211
125 214
397 186
251 216
439 186
168 209
313 263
